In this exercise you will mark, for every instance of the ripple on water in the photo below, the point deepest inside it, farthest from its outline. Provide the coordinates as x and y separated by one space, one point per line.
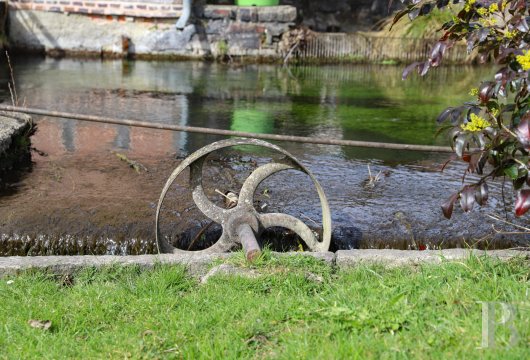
82 199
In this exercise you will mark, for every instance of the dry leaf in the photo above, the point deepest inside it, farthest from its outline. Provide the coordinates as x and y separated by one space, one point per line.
40 324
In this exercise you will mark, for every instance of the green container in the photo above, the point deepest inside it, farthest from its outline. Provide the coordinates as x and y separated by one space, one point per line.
257 2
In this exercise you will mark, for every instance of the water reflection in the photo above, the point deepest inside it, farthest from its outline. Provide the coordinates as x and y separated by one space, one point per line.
349 102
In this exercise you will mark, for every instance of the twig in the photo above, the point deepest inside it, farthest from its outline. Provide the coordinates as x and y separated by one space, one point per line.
175 349
508 232
294 40
133 164
503 197
498 218
308 218
222 194
508 130
13 91
231 198
371 179
199 234
291 50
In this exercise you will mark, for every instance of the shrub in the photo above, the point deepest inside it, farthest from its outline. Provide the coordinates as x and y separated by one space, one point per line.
492 133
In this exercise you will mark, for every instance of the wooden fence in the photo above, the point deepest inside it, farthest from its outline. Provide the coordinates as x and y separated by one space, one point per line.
360 47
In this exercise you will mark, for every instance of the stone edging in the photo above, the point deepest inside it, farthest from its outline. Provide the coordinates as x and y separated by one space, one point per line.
14 149
198 264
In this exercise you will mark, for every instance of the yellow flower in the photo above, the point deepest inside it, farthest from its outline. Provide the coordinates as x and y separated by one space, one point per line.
473 92
510 34
487 22
524 60
475 124
482 11
493 7
469 3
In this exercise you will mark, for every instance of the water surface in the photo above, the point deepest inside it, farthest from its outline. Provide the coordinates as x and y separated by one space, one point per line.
86 200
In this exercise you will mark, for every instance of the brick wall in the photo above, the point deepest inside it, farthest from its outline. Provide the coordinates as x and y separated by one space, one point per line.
132 8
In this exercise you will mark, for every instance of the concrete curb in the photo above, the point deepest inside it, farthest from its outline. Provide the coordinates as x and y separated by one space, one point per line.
198 264
350 258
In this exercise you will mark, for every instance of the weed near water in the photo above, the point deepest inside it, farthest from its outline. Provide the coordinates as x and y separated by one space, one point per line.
366 312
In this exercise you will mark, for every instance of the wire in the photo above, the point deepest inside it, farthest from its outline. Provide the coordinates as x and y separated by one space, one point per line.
202 130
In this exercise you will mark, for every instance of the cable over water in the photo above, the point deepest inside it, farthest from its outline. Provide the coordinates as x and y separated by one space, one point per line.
202 130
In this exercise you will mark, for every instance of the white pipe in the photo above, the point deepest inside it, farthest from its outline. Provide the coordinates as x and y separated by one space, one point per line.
185 16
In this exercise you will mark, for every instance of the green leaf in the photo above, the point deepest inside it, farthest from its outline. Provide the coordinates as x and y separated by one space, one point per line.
512 171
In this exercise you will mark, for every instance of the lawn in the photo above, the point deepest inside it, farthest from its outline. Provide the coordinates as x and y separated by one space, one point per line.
296 308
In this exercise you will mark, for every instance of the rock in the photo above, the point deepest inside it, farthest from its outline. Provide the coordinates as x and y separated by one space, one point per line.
313 277
276 29
281 14
14 142
241 42
11 125
248 14
171 39
228 269
219 12
216 26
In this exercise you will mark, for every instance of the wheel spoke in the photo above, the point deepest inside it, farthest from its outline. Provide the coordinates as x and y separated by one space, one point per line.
246 195
204 204
222 245
293 224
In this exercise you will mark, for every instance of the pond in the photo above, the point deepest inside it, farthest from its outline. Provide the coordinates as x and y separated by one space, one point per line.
78 197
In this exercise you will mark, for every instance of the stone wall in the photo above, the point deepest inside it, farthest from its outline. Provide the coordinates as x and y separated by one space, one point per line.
214 31
254 31
114 27
324 16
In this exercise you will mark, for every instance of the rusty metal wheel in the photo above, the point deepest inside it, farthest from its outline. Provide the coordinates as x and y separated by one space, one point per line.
239 220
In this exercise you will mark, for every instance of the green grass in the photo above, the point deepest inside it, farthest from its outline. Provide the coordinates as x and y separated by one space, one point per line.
367 312
422 27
